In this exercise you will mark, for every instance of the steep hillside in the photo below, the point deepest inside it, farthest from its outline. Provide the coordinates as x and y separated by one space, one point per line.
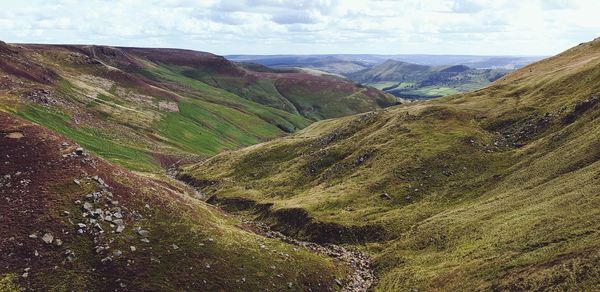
147 108
491 190
314 96
70 221
409 80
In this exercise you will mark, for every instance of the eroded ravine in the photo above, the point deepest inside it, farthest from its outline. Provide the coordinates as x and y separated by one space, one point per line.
362 277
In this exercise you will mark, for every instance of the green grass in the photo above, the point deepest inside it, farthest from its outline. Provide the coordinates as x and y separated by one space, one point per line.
298 98
427 92
128 132
202 127
90 139
469 210
8 283
221 97
390 85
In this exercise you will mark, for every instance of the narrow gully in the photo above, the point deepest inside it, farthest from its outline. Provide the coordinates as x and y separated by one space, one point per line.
362 277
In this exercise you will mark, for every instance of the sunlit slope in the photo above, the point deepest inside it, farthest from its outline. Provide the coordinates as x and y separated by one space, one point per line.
72 221
496 189
139 113
311 94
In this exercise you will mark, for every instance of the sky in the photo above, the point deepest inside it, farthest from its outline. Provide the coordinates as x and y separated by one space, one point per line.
477 27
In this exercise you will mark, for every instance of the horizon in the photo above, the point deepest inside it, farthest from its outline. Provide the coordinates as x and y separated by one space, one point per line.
323 27
271 55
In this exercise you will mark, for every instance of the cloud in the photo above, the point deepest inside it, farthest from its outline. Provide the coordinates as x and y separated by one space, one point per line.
312 26
465 6
292 18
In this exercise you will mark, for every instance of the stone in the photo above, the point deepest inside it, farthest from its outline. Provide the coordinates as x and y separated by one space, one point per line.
48 238
120 229
117 253
88 206
81 225
132 248
143 232
118 222
79 151
58 242
97 226
385 196
118 215
33 236
106 260
145 240
174 246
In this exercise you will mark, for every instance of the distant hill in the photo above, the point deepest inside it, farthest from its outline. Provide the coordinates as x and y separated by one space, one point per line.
406 76
348 63
327 63
413 81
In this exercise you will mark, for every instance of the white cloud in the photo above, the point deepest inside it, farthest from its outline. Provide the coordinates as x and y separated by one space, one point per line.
317 26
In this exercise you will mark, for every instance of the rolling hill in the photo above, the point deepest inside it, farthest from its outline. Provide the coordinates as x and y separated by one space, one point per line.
327 63
148 108
405 76
495 189
70 221
408 80
349 63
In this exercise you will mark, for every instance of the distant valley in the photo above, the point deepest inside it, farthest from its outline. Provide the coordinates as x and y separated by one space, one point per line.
405 76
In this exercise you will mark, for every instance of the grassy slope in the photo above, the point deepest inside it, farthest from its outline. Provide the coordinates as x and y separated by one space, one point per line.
419 81
495 189
314 97
121 121
212 252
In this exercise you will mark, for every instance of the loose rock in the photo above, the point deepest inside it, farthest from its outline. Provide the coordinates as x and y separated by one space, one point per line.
48 238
